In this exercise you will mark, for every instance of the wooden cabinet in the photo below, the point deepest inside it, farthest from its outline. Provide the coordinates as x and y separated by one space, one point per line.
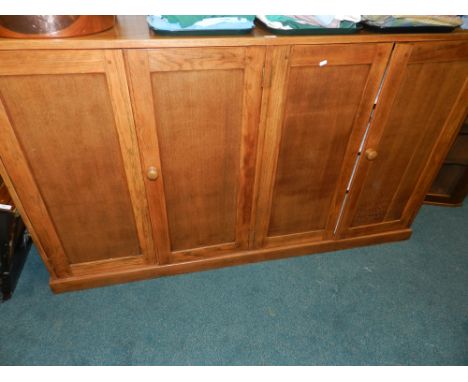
423 102
319 104
65 119
197 114
133 157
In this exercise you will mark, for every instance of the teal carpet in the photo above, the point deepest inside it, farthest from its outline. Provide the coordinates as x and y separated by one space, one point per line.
403 303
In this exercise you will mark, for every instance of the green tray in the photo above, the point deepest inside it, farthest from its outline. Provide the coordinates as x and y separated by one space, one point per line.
211 32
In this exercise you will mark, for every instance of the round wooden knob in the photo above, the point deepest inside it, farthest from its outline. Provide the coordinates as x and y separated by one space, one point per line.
371 154
152 173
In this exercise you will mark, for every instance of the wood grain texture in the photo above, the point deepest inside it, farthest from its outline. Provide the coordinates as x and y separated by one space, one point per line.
108 265
276 70
199 127
141 93
325 113
340 54
246 257
254 79
196 59
125 126
85 192
316 129
18 63
15 172
198 115
418 117
415 111
457 114
425 52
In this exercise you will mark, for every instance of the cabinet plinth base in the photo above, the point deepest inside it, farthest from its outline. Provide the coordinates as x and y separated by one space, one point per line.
138 273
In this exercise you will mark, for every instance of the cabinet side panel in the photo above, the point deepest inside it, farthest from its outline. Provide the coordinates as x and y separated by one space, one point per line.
199 122
66 128
447 180
321 105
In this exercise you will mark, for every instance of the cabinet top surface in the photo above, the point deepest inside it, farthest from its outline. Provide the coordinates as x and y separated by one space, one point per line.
134 32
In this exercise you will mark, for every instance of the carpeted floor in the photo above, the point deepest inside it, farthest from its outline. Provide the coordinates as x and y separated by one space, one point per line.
403 303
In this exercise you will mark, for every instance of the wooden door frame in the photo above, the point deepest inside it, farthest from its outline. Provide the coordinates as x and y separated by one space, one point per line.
402 55
140 65
277 68
15 169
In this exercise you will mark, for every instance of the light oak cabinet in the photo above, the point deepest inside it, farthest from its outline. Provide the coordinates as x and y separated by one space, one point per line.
423 103
318 108
68 146
197 114
140 161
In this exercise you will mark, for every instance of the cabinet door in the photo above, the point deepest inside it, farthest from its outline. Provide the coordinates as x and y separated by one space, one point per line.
197 112
319 102
423 102
68 148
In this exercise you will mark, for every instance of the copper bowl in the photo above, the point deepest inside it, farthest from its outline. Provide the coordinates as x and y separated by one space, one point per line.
49 26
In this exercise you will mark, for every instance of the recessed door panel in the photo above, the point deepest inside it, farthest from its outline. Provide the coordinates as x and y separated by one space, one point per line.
65 130
313 136
199 119
423 102
321 104
68 135
197 113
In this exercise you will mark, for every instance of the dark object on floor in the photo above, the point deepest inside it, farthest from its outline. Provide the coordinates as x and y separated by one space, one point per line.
15 243
451 184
